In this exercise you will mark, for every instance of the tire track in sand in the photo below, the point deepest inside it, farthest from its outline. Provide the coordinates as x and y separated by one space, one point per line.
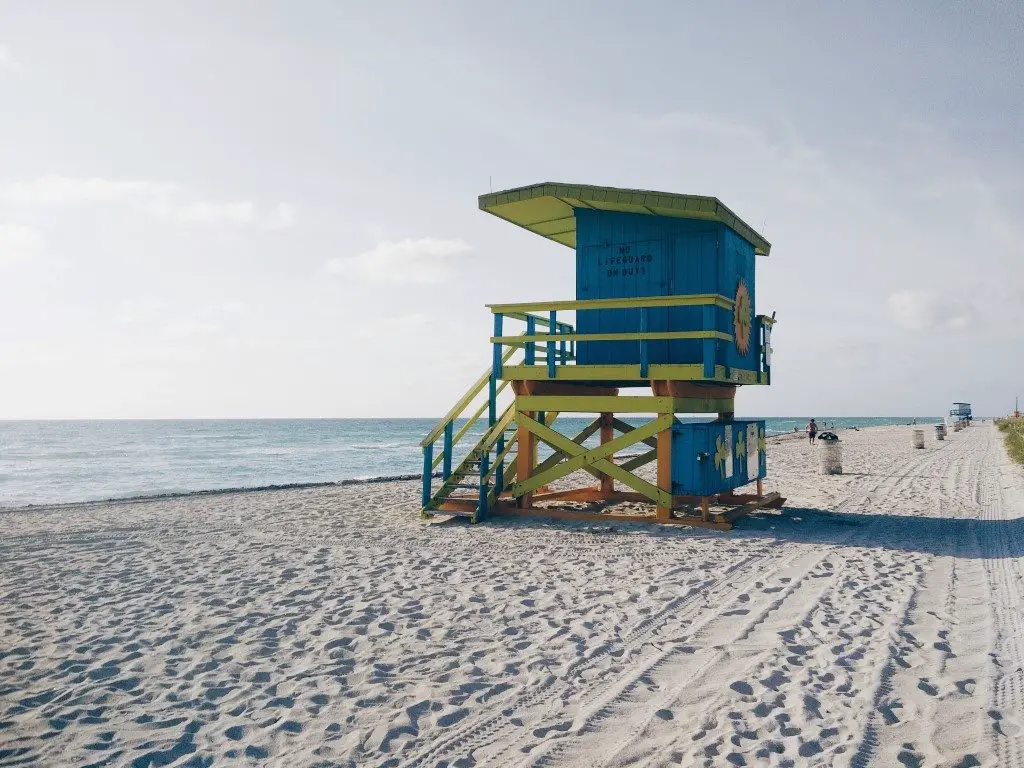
483 731
844 635
1001 496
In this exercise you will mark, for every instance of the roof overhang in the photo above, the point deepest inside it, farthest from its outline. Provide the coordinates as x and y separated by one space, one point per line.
547 209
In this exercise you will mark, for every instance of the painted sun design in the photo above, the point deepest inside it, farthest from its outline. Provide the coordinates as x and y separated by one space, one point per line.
761 442
741 448
741 319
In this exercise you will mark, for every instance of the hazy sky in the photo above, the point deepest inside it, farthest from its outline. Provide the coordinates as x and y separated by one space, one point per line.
241 209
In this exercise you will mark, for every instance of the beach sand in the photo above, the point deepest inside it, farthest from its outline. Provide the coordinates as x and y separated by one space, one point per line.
877 620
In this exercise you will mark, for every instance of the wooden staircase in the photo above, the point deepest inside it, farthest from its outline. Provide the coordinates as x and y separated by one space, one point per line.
470 487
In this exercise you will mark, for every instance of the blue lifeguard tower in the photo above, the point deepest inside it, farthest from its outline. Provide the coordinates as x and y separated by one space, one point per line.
665 289
960 412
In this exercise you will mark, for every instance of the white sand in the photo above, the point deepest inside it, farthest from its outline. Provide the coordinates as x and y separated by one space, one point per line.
333 627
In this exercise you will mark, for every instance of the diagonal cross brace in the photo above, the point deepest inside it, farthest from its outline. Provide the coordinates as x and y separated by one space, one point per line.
580 458
638 461
581 438
625 428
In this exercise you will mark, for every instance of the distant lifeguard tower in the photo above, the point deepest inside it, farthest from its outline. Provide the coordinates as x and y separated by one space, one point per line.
665 289
960 413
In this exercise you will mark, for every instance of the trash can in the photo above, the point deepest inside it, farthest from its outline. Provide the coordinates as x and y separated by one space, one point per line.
830 454
940 431
919 438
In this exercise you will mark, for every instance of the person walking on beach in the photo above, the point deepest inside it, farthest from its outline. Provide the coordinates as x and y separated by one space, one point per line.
812 430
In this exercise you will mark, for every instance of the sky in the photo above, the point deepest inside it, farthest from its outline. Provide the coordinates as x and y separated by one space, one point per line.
269 209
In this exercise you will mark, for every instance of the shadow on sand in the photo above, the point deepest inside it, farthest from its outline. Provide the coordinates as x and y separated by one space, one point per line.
941 536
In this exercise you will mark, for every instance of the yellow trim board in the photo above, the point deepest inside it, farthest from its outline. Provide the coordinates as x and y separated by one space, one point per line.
621 404
543 338
633 302
629 372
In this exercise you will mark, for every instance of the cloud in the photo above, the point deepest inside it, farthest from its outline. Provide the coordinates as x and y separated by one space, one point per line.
283 216
216 213
191 329
979 203
160 199
425 260
64 190
918 311
7 60
699 122
391 325
140 310
178 321
18 244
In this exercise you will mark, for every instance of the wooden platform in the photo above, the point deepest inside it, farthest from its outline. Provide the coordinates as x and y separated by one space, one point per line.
718 513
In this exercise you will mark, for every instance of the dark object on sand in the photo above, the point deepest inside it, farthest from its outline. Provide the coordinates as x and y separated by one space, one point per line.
828 436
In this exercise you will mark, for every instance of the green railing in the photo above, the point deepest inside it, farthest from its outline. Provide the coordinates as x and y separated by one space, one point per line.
560 344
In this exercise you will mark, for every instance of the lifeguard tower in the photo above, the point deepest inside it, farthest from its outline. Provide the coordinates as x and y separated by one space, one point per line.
665 290
960 413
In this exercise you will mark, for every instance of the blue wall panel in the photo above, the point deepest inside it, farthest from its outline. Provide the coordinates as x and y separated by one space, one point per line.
697 445
619 255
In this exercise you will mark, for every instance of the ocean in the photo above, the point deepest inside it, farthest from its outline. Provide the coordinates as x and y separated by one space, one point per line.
61 462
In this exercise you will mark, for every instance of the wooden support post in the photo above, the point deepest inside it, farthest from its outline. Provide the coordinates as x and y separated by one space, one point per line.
607 434
760 488
665 469
492 401
705 508
428 469
552 329
446 465
496 353
527 449
531 329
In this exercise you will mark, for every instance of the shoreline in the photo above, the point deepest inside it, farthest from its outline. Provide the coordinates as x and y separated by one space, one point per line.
298 486
213 492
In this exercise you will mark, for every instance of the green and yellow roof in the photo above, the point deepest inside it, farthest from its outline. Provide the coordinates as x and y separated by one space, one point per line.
547 209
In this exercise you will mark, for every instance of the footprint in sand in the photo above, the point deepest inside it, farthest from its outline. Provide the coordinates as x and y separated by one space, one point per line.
1003 725
910 757
541 732
743 688
809 748
966 687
